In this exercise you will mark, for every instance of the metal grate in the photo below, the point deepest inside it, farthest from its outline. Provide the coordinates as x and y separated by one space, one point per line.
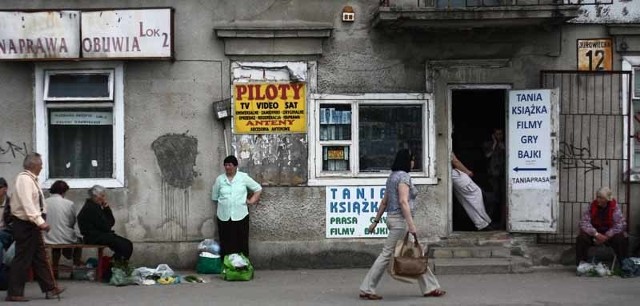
594 148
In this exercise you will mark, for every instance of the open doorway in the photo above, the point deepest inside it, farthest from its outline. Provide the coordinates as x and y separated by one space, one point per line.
477 115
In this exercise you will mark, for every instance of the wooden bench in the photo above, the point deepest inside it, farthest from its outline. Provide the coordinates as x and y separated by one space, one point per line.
99 252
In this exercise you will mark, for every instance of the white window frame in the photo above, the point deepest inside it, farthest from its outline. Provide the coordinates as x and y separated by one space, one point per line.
350 178
49 73
630 63
116 70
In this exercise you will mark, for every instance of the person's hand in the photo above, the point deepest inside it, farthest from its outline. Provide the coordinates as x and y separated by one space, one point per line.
470 173
44 227
600 238
412 229
372 227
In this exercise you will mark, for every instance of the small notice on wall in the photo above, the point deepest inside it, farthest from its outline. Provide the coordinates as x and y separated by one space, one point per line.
81 118
351 209
595 54
269 108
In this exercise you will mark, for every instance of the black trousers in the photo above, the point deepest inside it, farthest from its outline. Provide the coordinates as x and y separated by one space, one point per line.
122 247
30 253
234 236
619 243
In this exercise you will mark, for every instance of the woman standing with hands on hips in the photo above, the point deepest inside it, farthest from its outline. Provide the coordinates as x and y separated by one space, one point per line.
230 193
399 203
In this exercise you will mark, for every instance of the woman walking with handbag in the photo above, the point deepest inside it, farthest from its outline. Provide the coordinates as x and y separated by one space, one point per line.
399 203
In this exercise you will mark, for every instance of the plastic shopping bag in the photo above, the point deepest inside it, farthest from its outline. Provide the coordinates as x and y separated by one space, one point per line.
237 267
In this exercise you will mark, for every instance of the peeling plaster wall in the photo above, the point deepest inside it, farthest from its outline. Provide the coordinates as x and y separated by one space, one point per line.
620 11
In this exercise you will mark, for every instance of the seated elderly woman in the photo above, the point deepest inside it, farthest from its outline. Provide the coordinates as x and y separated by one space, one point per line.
61 217
602 224
96 220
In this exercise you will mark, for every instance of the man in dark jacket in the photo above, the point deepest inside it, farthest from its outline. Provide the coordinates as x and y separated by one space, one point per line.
96 220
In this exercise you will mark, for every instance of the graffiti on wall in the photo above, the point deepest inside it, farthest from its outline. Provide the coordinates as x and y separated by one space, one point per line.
11 150
176 157
573 157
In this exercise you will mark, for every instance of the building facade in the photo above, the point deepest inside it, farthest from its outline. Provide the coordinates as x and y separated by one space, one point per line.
315 98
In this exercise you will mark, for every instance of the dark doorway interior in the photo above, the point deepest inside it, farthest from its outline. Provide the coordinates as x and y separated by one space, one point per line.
475 114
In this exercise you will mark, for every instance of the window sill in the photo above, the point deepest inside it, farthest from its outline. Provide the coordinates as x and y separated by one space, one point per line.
85 183
363 181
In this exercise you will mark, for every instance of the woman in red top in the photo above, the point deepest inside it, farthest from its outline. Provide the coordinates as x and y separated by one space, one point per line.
602 223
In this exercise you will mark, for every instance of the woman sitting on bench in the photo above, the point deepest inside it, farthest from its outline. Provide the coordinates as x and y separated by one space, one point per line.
61 216
96 220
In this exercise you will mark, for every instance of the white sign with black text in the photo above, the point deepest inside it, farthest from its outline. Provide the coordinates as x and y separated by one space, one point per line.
81 118
127 33
530 139
39 35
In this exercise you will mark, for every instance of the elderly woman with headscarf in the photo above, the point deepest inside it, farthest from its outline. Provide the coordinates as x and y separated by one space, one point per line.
96 220
602 223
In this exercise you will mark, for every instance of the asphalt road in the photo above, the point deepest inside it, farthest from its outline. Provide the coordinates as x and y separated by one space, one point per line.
340 287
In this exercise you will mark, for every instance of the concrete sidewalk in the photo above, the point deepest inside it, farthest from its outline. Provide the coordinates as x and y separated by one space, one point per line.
340 287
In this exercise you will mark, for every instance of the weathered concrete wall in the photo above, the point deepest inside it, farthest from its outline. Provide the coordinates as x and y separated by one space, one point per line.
165 207
16 117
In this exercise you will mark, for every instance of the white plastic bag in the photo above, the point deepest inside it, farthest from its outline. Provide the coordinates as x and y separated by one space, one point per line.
139 275
209 245
602 270
163 270
237 261
584 268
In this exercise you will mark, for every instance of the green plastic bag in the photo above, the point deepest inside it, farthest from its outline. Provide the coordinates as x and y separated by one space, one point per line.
209 265
119 277
231 273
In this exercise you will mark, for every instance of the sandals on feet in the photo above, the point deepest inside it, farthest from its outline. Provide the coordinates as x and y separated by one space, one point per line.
435 293
370 296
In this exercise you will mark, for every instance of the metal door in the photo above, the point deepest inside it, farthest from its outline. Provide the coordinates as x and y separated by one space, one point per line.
594 146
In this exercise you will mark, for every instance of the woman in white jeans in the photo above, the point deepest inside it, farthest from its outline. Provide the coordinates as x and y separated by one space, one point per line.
399 203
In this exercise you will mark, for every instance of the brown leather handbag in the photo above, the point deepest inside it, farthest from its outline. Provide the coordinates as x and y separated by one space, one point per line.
411 262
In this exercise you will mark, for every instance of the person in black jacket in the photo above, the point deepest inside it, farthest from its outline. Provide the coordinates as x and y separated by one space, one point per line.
96 220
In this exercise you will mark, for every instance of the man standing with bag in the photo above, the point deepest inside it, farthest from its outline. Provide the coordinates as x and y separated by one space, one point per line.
28 212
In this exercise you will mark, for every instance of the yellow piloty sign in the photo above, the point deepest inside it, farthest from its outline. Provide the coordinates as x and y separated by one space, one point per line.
269 108
595 54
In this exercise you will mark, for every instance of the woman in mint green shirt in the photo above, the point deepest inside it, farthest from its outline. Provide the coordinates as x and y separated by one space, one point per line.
231 193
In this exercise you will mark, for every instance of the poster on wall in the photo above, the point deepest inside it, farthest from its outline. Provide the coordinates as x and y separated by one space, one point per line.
351 209
269 108
595 54
39 35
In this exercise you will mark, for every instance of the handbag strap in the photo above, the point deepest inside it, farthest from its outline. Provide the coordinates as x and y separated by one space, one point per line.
405 242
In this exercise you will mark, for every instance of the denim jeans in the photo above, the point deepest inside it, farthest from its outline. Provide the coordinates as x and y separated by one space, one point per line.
397 230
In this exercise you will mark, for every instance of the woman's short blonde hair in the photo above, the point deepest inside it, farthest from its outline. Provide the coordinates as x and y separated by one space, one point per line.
605 193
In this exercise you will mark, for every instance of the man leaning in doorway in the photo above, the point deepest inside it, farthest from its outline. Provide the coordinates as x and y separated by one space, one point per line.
469 195
29 212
